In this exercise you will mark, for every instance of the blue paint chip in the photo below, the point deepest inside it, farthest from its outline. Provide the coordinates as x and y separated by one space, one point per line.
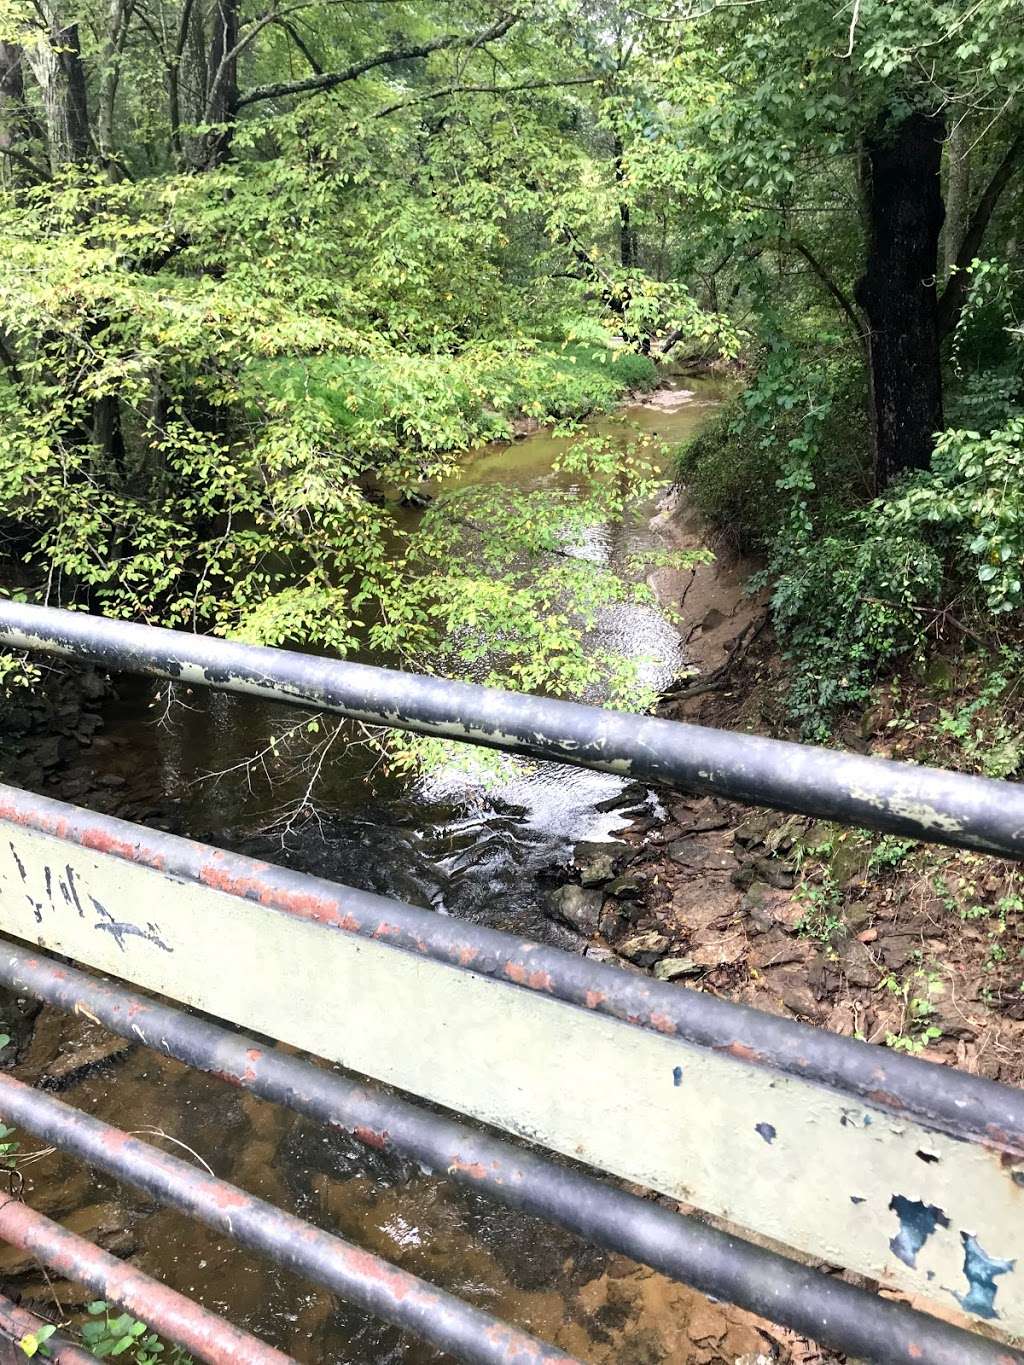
917 1223
1017 1177
980 1271
851 1118
677 1075
857 1199
766 1130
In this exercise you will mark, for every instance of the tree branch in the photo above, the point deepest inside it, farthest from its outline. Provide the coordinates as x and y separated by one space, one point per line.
328 80
41 175
297 38
486 90
954 296
838 296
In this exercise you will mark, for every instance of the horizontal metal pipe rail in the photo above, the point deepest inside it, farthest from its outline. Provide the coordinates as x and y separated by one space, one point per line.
202 1333
919 803
963 1105
814 1304
17 1323
358 1276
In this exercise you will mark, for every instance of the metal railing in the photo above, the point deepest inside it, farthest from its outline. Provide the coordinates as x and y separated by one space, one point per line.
920 803
934 1157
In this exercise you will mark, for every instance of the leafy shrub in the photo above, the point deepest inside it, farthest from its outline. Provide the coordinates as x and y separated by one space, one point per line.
800 429
849 603
399 401
844 606
972 501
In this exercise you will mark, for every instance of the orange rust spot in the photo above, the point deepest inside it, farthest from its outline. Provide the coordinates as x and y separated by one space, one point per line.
304 904
914 1351
371 1137
663 1022
254 1054
102 841
227 1198
594 998
885 1097
476 1170
743 1052
385 930
466 955
534 981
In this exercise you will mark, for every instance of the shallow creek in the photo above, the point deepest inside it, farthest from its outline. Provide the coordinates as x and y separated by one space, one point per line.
455 844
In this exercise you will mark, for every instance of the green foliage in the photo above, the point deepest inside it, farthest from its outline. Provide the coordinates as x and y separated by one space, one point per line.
118 1335
974 498
917 994
890 853
821 914
34 1343
844 607
987 732
798 428
398 403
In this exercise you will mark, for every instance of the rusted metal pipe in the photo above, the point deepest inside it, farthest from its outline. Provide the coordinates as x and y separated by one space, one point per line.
202 1333
17 1323
916 802
686 1249
962 1105
358 1276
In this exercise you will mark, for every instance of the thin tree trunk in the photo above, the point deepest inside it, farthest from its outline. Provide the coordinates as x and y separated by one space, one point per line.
904 212
13 122
188 80
58 69
222 94
627 235
110 76
958 194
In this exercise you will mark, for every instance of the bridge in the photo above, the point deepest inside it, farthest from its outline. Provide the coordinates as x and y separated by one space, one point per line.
798 1144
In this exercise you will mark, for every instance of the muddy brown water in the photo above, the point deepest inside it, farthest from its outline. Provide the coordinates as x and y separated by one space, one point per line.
458 843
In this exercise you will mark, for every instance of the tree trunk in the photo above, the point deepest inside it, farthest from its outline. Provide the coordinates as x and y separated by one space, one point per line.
109 79
188 80
627 235
13 123
903 207
222 95
57 67
958 194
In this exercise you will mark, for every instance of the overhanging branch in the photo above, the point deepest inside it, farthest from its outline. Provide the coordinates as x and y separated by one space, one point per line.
837 294
329 80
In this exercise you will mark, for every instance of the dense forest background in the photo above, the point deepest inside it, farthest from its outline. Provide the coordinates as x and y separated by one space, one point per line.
267 269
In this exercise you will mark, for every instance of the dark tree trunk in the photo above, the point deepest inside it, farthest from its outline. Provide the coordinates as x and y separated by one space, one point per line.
13 123
904 213
57 66
222 95
627 234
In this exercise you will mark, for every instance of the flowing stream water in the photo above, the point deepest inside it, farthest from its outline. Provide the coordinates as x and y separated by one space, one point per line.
456 844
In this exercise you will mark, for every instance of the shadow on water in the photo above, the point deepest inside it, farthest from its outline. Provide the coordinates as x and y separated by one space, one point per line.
455 843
